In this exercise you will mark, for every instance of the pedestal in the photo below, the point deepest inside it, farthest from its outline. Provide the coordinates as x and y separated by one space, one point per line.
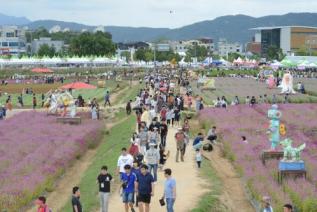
294 169
69 120
267 154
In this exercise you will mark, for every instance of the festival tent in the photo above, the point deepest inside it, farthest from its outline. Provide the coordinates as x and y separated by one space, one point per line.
207 61
302 64
276 65
288 63
42 70
78 85
238 61
312 65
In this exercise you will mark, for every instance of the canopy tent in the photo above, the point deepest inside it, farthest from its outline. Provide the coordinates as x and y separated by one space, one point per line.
276 65
78 85
207 61
42 70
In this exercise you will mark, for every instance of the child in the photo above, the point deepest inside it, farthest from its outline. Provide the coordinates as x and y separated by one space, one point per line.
198 158
244 139
163 156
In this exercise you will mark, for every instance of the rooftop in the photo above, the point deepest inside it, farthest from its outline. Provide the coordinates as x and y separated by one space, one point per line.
280 27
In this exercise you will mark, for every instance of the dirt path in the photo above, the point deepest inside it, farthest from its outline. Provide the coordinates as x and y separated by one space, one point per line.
233 195
189 184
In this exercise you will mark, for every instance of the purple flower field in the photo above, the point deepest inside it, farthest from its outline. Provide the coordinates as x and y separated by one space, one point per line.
301 126
34 150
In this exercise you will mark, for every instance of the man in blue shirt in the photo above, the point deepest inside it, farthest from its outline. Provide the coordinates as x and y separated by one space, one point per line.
197 144
128 180
169 190
144 188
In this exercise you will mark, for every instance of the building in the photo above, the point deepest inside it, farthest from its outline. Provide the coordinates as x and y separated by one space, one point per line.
254 47
289 38
225 47
12 40
181 47
99 28
55 29
37 43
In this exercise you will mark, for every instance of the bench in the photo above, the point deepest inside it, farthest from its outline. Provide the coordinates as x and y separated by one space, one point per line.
290 173
267 155
69 120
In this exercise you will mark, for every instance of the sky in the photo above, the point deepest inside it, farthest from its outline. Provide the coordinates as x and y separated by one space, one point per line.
149 13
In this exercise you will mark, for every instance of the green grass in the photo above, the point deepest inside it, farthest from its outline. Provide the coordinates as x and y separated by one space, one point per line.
210 200
131 93
98 93
107 154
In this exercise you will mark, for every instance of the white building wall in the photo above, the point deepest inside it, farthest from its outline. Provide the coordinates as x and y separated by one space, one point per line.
285 40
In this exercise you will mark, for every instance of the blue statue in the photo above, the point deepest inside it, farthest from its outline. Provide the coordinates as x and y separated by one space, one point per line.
274 130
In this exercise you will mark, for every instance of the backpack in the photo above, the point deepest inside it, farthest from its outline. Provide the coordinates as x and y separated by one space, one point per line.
208 147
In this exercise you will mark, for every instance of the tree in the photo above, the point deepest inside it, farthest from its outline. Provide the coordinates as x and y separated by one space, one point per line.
275 53
87 43
46 50
201 52
233 56
127 55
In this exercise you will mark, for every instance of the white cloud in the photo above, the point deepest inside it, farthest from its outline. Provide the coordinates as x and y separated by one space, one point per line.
155 13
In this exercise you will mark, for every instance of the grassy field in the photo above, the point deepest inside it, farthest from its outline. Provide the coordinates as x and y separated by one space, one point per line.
108 153
243 87
15 89
131 93
209 202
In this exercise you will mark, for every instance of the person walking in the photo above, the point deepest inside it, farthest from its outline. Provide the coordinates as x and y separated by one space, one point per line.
104 179
180 144
164 131
198 157
144 188
124 159
76 205
34 101
152 158
128 107
107 99
128 182
169 190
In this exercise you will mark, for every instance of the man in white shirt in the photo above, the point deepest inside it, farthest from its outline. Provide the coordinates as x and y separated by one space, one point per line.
124 159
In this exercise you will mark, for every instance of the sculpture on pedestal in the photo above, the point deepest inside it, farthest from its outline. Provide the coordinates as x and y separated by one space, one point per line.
274 129
291 154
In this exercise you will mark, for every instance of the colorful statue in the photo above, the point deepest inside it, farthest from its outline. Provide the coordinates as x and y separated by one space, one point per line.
291 153
287 84
274 130
60 100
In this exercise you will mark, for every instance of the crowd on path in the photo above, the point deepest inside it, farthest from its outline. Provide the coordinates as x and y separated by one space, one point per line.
158 108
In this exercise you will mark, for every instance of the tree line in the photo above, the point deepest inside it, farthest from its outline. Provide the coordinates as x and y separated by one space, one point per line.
78 43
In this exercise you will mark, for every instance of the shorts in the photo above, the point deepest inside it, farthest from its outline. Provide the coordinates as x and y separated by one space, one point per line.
146 198
128 197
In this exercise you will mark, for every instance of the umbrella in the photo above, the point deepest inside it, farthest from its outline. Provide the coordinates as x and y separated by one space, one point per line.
78 85
42 70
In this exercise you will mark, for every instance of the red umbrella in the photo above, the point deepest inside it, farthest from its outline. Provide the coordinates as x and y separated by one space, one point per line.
78 85
42 70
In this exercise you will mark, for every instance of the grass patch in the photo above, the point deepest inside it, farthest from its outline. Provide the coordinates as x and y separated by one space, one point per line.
107 154
130 94
210 200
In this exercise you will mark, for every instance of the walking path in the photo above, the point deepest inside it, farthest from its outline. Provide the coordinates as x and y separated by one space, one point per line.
189 185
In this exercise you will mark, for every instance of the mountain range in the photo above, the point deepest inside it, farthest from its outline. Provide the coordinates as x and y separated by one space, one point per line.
235 28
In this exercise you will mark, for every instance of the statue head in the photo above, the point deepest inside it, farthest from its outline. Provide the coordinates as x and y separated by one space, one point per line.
274 113
286 142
